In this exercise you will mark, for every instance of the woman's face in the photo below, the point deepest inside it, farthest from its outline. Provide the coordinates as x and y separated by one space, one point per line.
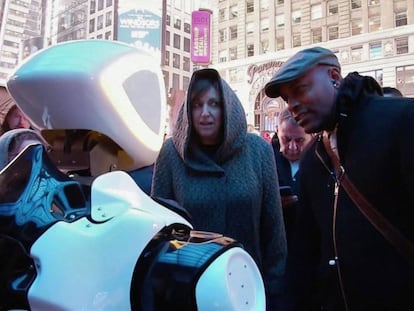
206 113
16 119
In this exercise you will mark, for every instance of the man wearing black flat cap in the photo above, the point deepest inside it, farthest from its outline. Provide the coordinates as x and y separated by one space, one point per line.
353 242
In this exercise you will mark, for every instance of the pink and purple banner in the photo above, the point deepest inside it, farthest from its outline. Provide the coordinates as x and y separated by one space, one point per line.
200 37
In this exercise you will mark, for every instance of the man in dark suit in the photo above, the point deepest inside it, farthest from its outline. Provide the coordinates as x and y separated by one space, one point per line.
288 144
343 259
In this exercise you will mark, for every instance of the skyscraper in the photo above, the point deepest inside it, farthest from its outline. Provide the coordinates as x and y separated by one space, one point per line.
21 33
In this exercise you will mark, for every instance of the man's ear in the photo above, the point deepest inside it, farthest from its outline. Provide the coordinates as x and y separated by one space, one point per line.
335 74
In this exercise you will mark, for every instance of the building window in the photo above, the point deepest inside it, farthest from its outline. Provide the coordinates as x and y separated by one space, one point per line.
91 25
401 45
280 43
355 4
250 50
108 19
108 35
187 6
187 27
233 75
100 22
280 2
296 16
186 82
176 60
264 46
187 45
176 81
108 3
356 27
222 35
356 53
167 38
92 8
264 5
332 8
316 11
186 64
166 78
400 19
233 11
249 6
177 39
405 80
296 40
100 5
375 50
168 20
264 24
223 56
376 74
374 23
317 35
177 23
233 32
167 58
177 4
222 14
250 28
233 53
280 21
333 33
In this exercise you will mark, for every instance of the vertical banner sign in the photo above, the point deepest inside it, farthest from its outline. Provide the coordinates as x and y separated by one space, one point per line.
200 37
140 24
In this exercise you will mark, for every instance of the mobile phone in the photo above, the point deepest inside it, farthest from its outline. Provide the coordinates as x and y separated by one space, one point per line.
285 191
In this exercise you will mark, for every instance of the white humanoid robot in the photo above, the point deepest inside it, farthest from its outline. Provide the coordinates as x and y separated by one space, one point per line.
77 232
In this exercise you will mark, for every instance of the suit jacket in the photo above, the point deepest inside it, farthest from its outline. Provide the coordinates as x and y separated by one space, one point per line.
376 149
284 174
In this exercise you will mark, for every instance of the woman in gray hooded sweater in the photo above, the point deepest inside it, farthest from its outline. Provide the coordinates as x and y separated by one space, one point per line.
225 177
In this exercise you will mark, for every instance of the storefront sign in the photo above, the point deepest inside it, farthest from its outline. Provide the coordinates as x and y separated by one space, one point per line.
270 67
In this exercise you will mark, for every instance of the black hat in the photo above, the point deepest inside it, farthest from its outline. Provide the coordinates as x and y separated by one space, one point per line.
299 64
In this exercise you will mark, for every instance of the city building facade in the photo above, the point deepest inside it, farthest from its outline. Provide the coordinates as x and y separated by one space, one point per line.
22 29
252 38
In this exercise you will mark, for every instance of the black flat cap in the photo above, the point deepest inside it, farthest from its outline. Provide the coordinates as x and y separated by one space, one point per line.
298 65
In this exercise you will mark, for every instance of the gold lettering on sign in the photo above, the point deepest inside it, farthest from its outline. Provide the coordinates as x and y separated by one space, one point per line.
256 69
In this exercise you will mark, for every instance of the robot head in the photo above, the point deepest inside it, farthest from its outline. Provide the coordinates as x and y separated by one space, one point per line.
102 99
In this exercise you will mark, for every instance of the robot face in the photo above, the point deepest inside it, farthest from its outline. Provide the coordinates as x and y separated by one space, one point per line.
103 86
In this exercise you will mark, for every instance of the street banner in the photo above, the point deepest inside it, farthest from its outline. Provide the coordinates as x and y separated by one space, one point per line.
200 37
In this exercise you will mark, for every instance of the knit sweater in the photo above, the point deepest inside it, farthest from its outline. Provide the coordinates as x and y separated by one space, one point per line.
233 191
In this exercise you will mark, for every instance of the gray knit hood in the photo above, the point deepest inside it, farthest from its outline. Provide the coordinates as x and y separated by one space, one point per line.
234 127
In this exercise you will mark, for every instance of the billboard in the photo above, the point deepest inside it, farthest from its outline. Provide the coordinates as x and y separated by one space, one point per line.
200 36
140 24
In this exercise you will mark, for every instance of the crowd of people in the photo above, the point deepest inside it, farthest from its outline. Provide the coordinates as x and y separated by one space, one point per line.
325 208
